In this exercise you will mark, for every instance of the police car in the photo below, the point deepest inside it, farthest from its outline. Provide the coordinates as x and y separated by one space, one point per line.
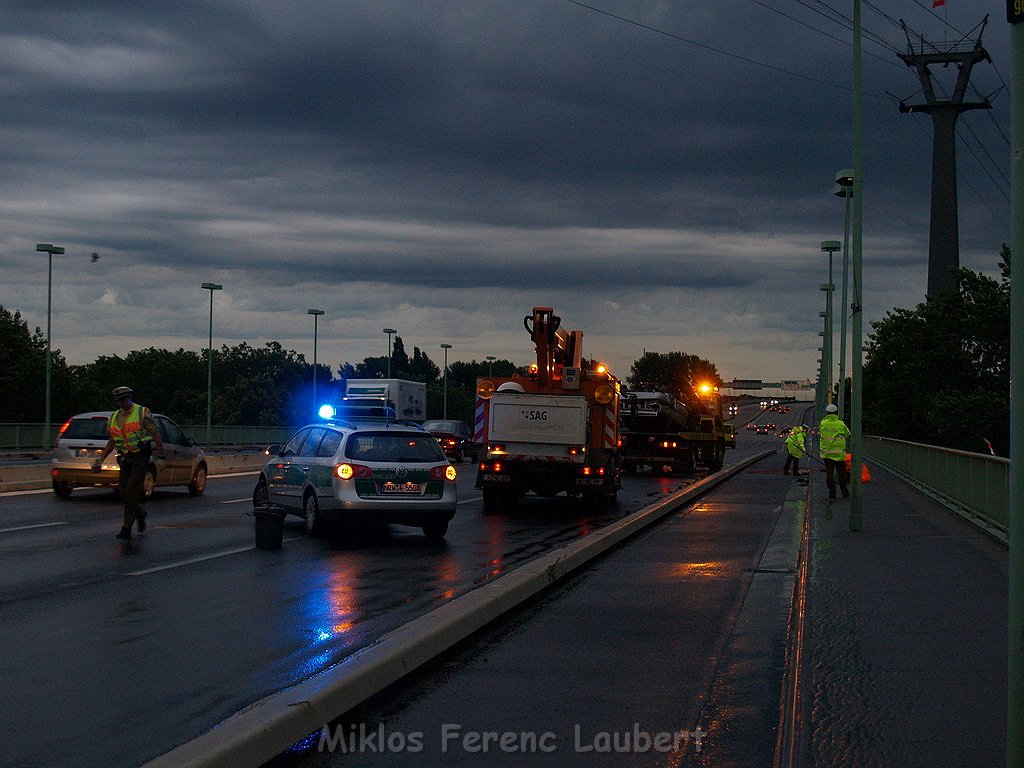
360 471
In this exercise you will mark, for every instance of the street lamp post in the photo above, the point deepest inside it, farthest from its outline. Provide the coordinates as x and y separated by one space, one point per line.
829 247
856 307
316 316
446 347
211 287
490 364
389 331
844 189
50 250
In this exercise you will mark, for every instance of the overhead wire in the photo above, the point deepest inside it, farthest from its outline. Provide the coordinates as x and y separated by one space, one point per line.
705 46
835 16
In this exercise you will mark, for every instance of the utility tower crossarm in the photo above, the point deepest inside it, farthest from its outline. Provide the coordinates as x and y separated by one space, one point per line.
944 234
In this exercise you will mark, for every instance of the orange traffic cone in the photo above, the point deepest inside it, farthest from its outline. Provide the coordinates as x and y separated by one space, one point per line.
865 474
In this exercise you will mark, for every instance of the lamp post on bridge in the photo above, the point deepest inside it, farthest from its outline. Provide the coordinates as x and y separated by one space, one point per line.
829 247
49 249
446 347
211 287
389 332
844 189
316 316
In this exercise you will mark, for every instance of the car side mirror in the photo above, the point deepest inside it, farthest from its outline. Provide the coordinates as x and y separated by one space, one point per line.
190 441
274 449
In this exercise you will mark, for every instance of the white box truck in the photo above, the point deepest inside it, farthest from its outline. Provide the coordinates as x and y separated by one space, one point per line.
407 400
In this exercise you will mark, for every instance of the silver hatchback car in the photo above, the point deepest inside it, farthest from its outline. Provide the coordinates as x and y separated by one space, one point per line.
83 437
356 472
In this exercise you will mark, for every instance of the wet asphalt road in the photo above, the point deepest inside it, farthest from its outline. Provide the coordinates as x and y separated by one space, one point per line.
113 653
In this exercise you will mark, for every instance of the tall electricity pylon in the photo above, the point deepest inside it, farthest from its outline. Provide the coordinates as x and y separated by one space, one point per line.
944 235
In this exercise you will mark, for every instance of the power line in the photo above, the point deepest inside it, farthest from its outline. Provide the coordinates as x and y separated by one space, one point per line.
707 47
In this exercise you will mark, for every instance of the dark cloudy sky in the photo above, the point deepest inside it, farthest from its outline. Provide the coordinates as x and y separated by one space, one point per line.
663 179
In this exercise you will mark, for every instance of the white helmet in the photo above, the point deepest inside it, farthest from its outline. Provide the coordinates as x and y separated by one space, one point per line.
831 408
512 386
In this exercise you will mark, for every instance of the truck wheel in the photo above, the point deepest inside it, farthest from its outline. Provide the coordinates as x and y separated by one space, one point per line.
496 501
717 458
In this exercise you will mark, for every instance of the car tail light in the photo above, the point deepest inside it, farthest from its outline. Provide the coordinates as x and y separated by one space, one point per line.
443 472
348 471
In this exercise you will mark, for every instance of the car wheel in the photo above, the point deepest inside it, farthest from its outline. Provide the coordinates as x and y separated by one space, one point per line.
62 489
198 484
260 495
311 511
436 530
148 484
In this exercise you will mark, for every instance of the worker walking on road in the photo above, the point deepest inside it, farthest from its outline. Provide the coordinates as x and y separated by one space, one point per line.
795 449
132 432
832 437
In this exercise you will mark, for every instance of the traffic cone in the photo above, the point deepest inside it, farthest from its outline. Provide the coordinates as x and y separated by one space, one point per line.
865 474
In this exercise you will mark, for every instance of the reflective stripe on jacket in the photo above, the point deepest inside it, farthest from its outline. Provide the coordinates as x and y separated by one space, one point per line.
128 436
832 437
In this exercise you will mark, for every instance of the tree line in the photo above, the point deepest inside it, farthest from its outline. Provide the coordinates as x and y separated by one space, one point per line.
253 386
938 373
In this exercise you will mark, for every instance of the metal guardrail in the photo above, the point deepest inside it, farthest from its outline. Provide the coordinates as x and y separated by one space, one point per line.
974 483
31 436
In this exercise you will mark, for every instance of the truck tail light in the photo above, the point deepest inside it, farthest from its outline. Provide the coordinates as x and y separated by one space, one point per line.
588 471
492 466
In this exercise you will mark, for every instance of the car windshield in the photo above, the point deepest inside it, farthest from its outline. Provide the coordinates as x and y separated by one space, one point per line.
391 447
94 428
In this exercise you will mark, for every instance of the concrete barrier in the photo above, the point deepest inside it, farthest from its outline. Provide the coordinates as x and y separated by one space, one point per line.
35 476
268 727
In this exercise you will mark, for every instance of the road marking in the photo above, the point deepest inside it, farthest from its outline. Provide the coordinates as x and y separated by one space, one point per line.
30 527
470 501
201 559
237 501
26 493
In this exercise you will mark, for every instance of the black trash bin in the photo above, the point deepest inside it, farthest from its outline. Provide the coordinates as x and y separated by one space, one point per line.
269 529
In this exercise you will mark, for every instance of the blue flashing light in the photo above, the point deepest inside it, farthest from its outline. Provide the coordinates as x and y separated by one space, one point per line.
327 411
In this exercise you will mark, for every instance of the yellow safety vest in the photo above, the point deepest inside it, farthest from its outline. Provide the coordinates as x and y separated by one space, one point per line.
127 437
832 437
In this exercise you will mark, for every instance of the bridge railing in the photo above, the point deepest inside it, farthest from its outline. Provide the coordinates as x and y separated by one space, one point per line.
975 483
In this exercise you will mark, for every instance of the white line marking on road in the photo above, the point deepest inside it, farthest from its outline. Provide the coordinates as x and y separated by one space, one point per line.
236 501
26 493
200 559
30 527
470 501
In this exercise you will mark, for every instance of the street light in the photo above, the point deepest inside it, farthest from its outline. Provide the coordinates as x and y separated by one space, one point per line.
49 249
446 347
844 189
211 287
829 247
490 364
389 331
316 316
856 308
